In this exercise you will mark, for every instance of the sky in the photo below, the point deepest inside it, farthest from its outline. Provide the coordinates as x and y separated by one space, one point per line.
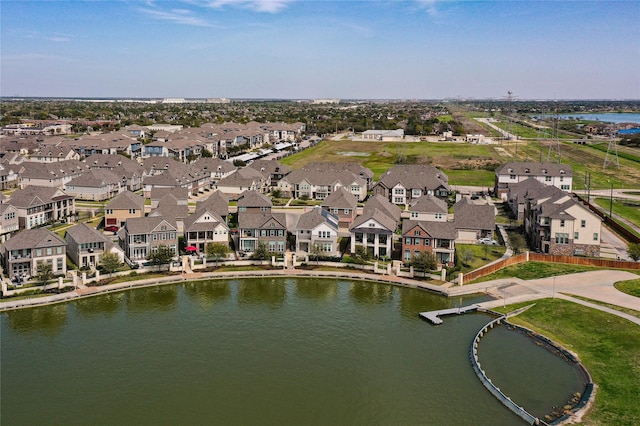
300 49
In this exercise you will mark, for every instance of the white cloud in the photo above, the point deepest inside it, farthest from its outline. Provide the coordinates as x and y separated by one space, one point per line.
429 6
177 16
269 6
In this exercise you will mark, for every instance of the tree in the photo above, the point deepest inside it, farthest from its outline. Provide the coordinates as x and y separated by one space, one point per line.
466 256
634 251
517 242
45 272
316 252
161 256
424 261
217 251
206 153
261 252
110 262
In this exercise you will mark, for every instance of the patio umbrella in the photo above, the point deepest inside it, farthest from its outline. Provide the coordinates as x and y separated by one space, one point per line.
191 248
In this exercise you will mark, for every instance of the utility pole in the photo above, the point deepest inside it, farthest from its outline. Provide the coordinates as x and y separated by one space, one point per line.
611 202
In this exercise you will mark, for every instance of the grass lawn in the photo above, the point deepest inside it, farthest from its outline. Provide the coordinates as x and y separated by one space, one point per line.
607 345
478 251
628 209
240 268
631 287
632 312
134 277
534 270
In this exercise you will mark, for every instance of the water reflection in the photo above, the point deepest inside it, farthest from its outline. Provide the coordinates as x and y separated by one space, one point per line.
107 304
207 293
370 293
46 320
161 298
316 289
414 302
262 291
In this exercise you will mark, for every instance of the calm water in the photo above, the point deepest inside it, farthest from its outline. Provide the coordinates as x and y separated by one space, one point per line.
606 117
269 351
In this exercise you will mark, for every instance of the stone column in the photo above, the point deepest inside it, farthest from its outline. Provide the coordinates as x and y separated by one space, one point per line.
443 274
460 278
60 283
97 276
84 278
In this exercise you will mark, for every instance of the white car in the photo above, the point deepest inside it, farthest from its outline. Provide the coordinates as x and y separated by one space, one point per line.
488 241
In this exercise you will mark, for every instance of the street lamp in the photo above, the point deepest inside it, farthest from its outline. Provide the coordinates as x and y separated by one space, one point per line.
611 201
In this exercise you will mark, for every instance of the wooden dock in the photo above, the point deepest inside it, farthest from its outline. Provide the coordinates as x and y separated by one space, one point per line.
433 316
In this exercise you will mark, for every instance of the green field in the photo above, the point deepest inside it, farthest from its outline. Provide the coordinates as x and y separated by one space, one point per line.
608 346
631 287
467 164
628 209
535 270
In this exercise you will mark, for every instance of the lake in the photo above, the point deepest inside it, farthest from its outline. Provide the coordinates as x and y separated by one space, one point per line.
267 351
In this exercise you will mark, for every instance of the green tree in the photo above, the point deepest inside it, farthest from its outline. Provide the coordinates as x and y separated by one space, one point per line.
424 261
110 262
261 252
517 242
45 272
206 153
466 256
161 256
316 252
634 251
217 251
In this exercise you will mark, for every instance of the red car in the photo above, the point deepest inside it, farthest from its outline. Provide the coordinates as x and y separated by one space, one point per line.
111 228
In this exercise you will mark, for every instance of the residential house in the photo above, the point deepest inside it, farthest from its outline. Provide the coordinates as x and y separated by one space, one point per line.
437 238
317 183
38 205
10 171
54 175
342 204
141 236
9 222
254 202
219 169
242 180
517 195
180 196
317 233
375 228
204 227
51 154
473 221
85 246
551 174
22 253
130 172
170 209
262 228
429 208
94 185
404 184
559 224
174 174
217 203
124 206
272 170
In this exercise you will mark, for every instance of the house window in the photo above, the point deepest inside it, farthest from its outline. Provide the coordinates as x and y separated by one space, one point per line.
414 215
561 223
416 232
576 235
242 209
398 191
547 178
263 209
416 193
132 211
347 211
407 254
49 251
583 223
564 187
562 238
355 188
372 225
407 241
595 236
335 211
398 200
427 242
280 232
512 177
59 264
109 211
438 215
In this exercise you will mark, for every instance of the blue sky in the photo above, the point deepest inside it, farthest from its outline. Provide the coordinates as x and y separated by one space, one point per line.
321 49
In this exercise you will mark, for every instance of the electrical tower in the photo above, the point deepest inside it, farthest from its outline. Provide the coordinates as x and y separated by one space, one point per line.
554 144
612 150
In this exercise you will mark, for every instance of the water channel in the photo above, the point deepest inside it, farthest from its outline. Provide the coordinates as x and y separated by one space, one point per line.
267 351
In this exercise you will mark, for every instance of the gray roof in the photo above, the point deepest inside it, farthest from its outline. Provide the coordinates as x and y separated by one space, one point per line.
146 225
316 217
270 167
126 200
31 196
171 211
534 169
429 204
377 215
215 219
415 176
243 177
218 202
82 233
259 220
442 230
213 165
34 238
521 188
178 193
95 178
341 199
379 202
474 216
253 199
55 170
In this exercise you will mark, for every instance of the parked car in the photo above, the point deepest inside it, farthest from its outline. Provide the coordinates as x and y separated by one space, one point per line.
488 241
111 228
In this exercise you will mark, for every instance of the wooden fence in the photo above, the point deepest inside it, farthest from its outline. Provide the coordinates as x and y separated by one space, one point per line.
539 257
